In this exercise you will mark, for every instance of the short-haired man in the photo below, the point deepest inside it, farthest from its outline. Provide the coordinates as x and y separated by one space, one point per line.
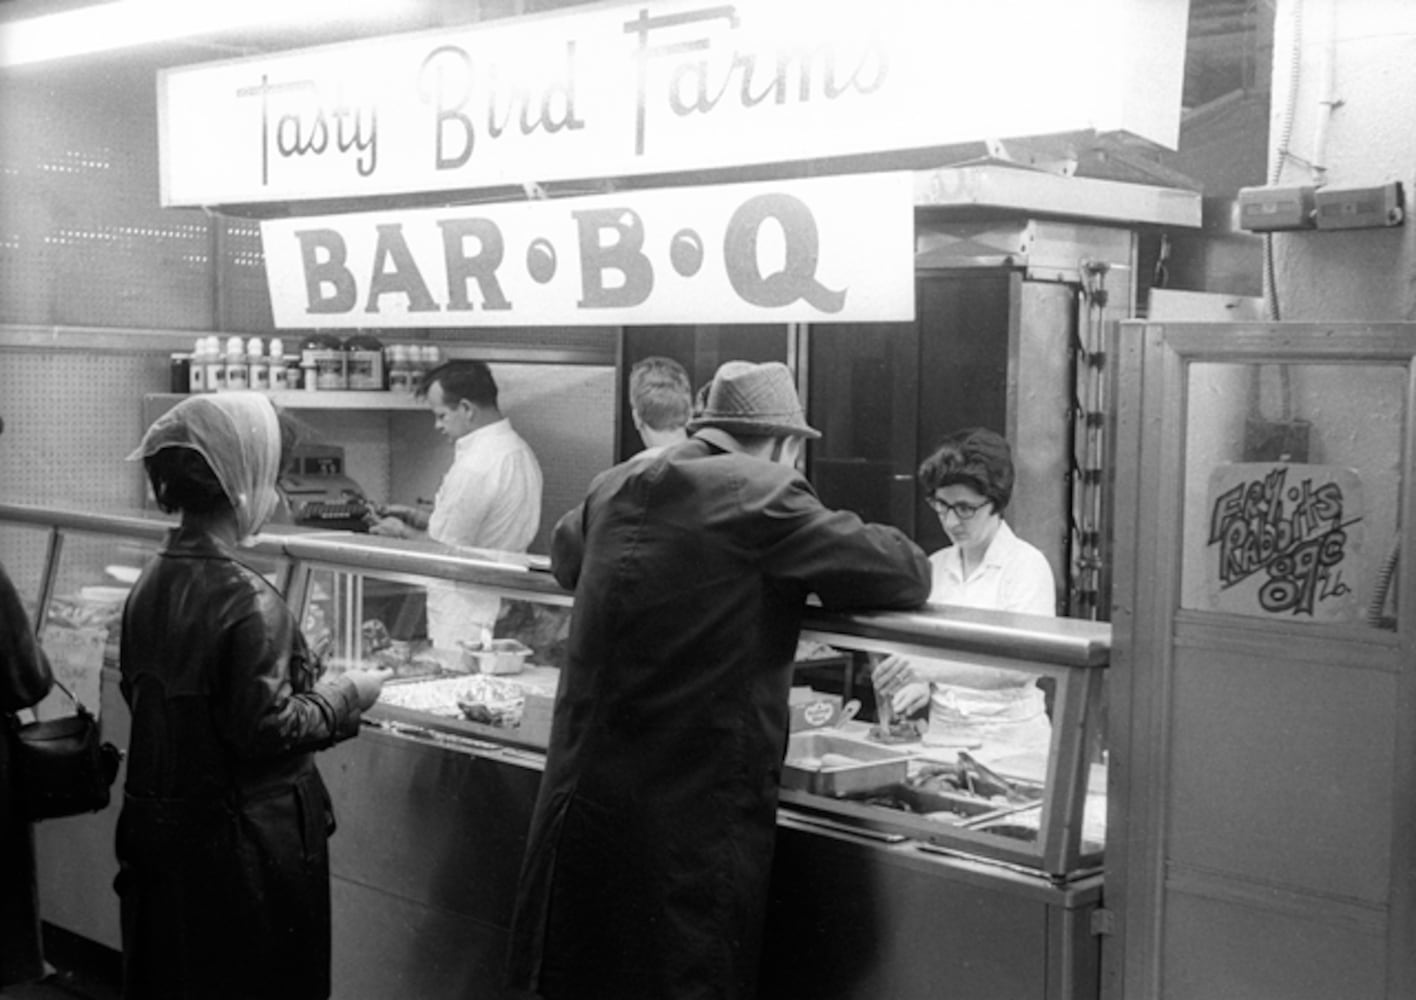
489 499
646 871
660 402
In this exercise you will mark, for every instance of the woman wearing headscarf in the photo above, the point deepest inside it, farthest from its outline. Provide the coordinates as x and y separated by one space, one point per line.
222 842
968 482
25 678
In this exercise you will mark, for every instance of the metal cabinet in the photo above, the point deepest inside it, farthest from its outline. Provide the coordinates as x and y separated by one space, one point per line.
1263 690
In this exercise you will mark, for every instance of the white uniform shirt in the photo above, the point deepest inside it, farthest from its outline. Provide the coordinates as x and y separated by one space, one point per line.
489 499
491 496
1013 576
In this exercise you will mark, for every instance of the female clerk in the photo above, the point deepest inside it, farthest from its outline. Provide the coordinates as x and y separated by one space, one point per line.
968 482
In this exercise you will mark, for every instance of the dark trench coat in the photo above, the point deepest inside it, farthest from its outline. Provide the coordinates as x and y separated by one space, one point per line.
651 843
25 679
222 842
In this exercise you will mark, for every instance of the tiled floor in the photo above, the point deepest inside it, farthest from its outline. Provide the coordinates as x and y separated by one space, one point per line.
84 971
63 986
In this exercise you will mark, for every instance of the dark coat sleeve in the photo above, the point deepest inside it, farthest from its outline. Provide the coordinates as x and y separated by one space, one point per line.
263 714
25 677
846 562
568 547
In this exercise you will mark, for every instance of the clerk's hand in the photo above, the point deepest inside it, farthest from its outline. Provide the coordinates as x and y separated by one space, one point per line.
896 678
391 527
368 684
893 673
912 696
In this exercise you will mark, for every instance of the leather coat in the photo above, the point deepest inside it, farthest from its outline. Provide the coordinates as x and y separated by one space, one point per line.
222 842
651 843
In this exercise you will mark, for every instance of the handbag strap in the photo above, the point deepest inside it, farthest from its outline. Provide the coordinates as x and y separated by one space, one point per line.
72 697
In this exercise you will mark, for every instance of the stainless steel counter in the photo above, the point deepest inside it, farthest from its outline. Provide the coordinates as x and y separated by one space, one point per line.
433 820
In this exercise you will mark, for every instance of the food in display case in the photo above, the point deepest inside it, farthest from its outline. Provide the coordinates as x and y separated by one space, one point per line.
835 764
495 656
484 699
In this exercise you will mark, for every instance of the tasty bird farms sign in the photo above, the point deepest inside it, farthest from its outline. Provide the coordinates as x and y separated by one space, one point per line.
625 90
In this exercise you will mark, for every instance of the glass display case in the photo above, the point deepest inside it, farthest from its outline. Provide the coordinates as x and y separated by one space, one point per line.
926 824
1008 760
1031 795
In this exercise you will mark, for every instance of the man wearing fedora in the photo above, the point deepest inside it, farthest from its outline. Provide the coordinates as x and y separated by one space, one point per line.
647 867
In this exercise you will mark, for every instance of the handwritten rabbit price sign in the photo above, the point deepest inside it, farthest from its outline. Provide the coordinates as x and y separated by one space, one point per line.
1285 541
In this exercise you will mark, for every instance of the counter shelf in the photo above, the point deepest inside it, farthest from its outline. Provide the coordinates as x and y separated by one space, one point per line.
338 581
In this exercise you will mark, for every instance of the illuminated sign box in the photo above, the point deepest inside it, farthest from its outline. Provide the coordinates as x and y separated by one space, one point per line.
627 90
830 249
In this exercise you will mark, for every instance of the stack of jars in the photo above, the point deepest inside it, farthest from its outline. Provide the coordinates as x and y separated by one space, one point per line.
323 363
241 364
408 363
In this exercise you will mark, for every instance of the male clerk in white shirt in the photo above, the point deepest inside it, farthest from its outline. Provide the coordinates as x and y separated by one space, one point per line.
489 499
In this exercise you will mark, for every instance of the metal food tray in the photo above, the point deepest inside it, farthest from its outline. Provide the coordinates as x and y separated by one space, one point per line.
941 807
875 766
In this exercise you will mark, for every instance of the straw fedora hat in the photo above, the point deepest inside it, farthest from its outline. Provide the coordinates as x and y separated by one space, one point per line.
752 399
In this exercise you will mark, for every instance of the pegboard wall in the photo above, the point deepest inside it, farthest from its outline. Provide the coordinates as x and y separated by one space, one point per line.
83 239
71 418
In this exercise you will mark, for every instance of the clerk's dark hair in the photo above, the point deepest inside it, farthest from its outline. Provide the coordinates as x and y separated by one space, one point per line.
183 480
975 457
469 380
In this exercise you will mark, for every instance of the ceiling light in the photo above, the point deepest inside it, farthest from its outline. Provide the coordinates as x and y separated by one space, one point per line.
124 24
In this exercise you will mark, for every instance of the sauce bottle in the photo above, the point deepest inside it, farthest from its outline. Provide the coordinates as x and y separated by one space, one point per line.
196 375
276 375
257 372
216 366
236 376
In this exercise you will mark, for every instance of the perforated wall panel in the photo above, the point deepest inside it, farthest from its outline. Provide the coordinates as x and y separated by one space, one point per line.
70 420
83 240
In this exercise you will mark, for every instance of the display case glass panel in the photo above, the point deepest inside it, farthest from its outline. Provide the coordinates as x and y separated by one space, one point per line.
1002 758
467 659
1005 760
82 622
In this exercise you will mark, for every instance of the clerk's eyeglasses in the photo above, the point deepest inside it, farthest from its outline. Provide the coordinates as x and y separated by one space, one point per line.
963 511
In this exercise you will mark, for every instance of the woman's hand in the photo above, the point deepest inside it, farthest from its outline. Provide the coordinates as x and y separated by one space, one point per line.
368 685
391 527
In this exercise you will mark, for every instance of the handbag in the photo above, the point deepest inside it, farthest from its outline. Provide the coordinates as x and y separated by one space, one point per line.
61 767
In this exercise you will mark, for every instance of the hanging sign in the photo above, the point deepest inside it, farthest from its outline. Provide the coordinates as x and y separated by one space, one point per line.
834 249
1285 541
620 90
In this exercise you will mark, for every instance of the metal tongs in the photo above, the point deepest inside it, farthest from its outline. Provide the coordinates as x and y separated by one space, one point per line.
979 779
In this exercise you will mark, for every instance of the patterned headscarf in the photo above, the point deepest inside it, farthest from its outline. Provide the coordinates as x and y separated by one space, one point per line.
238 434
